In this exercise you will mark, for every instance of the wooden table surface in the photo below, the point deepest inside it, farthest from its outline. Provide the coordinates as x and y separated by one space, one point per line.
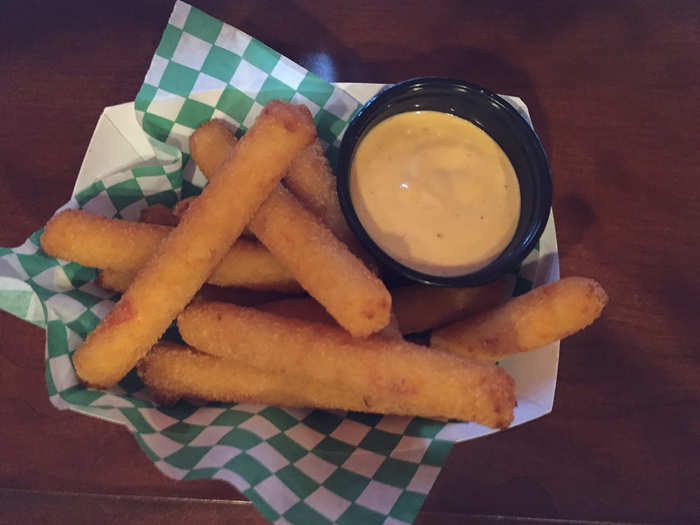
614 91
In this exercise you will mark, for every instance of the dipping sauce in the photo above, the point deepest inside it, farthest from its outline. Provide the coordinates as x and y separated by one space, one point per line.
435 192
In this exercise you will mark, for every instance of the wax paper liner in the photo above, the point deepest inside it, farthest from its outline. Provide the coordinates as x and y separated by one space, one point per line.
296 466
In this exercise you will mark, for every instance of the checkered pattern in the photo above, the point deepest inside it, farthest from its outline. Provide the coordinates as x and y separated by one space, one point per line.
205 69
296 466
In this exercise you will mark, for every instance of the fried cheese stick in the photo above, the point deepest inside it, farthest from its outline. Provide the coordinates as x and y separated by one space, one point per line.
114 280
253 267
119 281
311 180
173 371
186 257
257 280
124 247
419 308
309 177
412 378
308 309
99 242
358 300
322 264
210 145
532 320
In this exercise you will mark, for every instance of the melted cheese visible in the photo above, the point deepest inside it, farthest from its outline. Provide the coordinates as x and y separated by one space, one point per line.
435 192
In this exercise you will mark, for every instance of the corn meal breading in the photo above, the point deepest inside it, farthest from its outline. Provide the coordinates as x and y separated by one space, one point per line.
541 316
186 258
409 378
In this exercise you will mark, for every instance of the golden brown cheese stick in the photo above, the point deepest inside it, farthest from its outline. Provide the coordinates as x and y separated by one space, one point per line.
308 309
311 180
120 281
181 207
114 280
532 320
186 257
416 380
309 177
99 242
124 247
250 265
173 371
419 308
358 300
210 145
322 265
266 286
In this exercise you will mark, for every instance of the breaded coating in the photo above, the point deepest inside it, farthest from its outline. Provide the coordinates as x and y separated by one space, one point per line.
124 247
158 214
322 265
359 301
115 280
211 144
185 258
414 379
527 322
311 180
173 371
419 307
99 242
308 309
250 265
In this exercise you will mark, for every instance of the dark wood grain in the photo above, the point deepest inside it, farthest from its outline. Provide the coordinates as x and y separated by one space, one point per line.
614 91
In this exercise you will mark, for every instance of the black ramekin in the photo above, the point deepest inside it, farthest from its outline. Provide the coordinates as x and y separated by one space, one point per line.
496 117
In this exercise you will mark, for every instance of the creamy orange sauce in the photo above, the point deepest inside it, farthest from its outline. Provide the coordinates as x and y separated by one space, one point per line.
435 192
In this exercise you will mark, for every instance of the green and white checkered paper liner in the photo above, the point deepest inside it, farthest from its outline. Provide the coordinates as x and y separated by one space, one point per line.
296 466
